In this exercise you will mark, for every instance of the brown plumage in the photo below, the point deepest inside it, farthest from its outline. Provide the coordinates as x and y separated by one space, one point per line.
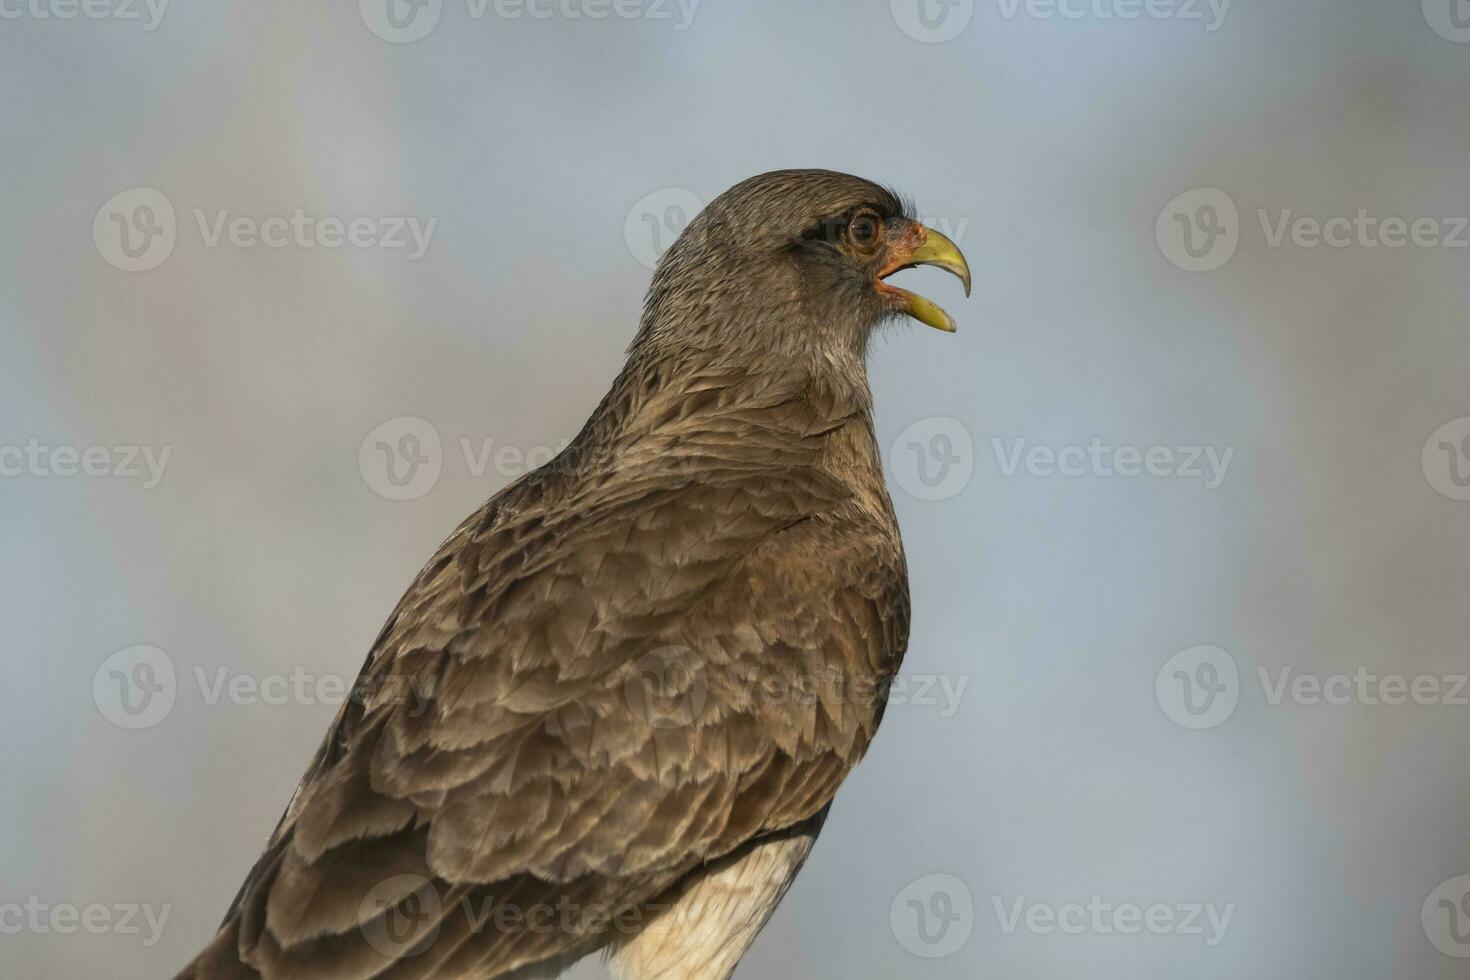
626 689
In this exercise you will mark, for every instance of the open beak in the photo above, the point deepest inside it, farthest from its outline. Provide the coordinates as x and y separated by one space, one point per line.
924 246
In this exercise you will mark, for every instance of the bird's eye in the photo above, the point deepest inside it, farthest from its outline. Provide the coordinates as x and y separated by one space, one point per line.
864 229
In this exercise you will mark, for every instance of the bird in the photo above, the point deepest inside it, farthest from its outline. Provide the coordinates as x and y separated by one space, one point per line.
612 711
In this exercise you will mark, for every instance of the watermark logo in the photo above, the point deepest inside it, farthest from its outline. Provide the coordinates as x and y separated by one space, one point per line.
656 220
138 687
933 916
1361 230
1206 463
932 21
403 916
1199 230
135 687
1100 918
651 10
135 230
1446 917
1450 19
1211 13
933 459
955 227
1363 687
1446 459
36 459
301 230
402 458
149 12
406 21
1201 687
400 915
667 688
65 918
1198 688
400 21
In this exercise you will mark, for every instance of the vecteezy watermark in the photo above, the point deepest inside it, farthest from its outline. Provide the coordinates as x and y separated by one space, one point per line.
1099 918
400 21
936 21
679 12
941 691
136 230
304 688
406 21
656 219
933 916
1361 230
1446 459
669 688
1446 917
1199 230
403 458
1211 13
933 459
401 916
932 21
1200 688
135 687
955 228
39 917
35 459
1364 687
148 12
1207 463
1450 19
301 230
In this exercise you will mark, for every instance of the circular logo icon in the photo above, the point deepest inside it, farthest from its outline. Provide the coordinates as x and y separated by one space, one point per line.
1446 459
401 915
932 21
400 21
1198 688
933 459
656 220
933 916
1446 917
1450 19
135 230
1199 230
135 687
402 458
667 688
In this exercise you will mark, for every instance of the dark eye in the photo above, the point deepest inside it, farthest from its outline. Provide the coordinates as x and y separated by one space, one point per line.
864 229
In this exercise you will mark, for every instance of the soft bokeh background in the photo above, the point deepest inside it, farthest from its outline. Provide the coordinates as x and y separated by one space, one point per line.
1048 146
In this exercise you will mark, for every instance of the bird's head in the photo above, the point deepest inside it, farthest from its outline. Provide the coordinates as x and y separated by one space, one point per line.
791 264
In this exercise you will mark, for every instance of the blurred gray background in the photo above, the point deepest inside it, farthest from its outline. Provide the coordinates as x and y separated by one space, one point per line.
1062 740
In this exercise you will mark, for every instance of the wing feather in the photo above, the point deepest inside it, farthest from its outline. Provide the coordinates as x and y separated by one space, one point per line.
607 677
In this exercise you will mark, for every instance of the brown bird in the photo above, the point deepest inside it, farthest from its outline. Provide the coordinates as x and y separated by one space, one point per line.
613 709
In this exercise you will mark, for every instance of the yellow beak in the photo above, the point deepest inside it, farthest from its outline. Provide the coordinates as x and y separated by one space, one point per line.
932 249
